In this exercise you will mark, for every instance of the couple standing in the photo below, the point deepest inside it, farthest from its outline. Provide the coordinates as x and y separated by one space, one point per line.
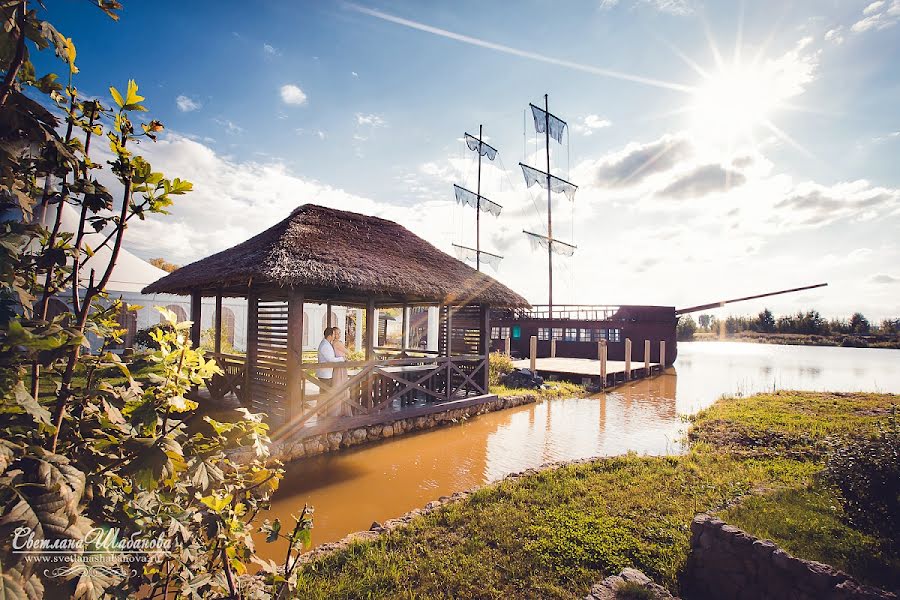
332 350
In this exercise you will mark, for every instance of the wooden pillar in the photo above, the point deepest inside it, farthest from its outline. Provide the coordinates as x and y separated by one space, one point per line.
328 322
627 359
533 353
646 358
218 324
484 344
295 383
553 348
449 351
662 355
507 342
603 350
371 329
252 336
404 334
196 307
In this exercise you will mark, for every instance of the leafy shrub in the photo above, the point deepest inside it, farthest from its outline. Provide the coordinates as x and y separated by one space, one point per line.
144 337
867 473
500 365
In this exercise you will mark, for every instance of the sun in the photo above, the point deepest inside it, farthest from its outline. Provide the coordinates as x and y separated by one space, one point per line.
734 102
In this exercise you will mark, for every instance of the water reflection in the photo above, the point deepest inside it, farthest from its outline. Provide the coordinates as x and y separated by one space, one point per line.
351 489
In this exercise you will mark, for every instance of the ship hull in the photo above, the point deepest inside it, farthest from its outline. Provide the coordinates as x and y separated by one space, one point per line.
578 337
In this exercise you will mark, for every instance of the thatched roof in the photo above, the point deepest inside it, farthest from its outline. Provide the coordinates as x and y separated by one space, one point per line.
341 255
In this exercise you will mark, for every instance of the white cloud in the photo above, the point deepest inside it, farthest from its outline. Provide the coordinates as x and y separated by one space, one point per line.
186 104
354 74
884 279
291 94
877 16
835 36
674 7
370 120
271 50
231 127
589 123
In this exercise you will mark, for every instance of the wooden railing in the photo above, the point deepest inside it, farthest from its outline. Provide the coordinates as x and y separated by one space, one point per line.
232 380
375 386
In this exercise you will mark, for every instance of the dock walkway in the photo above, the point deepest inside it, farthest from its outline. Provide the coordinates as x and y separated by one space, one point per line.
580 369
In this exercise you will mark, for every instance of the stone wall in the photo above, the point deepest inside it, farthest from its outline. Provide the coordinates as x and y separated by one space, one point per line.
726 562
297 448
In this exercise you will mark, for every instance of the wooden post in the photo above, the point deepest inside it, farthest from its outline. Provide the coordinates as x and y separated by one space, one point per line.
371 329
484 344
533 353
507 343
217 348
646 358
196 307
627 359
252 336
328 322
404 334
553 348
604 352
295 383
662 355
449 352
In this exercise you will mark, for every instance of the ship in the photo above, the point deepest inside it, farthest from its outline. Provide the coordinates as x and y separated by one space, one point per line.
569 330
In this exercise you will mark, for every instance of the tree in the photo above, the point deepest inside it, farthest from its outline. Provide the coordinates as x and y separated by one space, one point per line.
705 321
859 324
77 452
686 328
765 321
161 263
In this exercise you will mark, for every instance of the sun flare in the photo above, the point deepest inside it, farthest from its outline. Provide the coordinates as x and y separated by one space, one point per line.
733 102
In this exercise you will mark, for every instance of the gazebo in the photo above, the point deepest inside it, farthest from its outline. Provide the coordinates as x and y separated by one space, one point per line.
326 256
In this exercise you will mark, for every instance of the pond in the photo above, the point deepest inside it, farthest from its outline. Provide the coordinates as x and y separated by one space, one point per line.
352 488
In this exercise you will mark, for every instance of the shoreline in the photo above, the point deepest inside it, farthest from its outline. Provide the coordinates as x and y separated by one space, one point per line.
795 339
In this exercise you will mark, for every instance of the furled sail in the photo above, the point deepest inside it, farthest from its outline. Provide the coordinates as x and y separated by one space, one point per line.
467 254
542 241
467 198
486 149
536 176
543 118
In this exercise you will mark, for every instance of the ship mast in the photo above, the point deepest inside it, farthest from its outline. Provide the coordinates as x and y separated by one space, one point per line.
479 202
550 125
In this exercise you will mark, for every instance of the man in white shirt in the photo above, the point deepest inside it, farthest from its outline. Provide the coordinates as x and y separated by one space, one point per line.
326 355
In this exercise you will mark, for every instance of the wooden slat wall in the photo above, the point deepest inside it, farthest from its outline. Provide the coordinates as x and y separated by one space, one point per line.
466 325
268 378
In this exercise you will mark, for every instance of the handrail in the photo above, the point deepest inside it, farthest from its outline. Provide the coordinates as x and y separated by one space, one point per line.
392 362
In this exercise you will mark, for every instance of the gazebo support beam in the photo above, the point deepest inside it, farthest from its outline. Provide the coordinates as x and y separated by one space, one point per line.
218 324
196 307
252 331
371 329
295 383
484 343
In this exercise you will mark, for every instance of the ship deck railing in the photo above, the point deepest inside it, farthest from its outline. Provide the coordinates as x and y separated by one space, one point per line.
580 312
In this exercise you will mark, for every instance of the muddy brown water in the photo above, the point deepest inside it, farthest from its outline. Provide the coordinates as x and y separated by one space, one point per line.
352 488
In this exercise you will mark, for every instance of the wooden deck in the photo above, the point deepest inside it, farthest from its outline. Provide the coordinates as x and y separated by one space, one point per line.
579 369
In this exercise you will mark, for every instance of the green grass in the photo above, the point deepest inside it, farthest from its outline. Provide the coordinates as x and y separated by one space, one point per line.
555 533
551 389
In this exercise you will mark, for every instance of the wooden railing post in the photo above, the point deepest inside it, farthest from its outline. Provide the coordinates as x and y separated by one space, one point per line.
553 348
533 353
627 359
196 308
662 355
484 345
646 358
603 351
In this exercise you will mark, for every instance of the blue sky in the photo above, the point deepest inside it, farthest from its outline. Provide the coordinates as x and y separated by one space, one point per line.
274 104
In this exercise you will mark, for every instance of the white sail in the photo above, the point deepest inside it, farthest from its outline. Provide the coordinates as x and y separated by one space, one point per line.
467 198
536 176
486 149
466 254
557 247
543 118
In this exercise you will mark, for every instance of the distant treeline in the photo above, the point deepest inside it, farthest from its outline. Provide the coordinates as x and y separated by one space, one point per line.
810 322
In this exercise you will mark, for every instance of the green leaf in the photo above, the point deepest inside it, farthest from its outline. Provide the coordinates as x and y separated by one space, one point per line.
217 503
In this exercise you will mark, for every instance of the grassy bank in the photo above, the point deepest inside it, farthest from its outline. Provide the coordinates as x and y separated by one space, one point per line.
554 533
800 339
551 389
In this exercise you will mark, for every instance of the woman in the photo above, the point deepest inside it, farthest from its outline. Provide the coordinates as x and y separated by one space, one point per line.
339 377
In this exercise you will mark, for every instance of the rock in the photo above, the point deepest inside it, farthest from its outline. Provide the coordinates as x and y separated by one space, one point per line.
334 440
609 588
359 435
387 431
